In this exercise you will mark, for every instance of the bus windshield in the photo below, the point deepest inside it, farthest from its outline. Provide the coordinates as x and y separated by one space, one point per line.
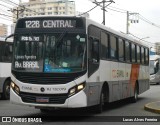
55 52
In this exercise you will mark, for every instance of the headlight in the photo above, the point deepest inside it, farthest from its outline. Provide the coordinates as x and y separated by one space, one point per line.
76 89
15 88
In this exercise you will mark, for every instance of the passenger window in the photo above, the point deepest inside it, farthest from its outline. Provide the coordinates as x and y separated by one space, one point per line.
127 51
138 54
142 55
113 47
133 53
95 51
104 46
121 50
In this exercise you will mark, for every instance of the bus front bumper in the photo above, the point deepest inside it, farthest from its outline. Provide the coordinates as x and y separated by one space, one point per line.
76 101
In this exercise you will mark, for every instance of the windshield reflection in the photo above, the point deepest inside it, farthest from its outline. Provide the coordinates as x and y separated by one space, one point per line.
65 54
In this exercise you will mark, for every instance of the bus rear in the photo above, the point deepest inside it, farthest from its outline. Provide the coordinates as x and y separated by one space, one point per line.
154 69
49 63
5 67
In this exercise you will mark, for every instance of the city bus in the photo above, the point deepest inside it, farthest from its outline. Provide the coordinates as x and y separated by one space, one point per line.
5 67
154 69
74 62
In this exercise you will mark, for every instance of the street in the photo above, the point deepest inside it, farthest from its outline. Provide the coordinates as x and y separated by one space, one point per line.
116 109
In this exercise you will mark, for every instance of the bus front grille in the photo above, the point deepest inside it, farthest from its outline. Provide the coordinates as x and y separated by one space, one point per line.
42 78
45 98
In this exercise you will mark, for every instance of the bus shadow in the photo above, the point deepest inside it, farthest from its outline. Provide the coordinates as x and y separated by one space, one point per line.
79 114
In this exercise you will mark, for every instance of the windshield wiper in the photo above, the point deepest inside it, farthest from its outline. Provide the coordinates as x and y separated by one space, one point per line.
59 40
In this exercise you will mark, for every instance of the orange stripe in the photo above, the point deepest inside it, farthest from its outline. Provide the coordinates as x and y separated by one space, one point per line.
134 74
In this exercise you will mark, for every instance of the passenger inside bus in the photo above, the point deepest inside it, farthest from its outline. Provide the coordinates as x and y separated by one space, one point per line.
75 59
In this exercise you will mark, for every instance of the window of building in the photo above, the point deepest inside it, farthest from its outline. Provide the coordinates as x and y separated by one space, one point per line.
49 8
49 13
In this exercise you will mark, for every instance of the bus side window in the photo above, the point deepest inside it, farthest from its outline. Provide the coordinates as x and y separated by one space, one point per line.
95 51
113 47
6 53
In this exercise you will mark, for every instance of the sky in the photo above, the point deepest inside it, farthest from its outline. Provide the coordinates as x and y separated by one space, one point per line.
148 9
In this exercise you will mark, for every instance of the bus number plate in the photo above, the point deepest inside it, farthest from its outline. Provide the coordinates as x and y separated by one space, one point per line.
42 99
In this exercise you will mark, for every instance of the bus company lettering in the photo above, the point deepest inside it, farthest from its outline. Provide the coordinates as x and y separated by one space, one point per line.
57 24
26 88
27 64
25 57
117 73
29 57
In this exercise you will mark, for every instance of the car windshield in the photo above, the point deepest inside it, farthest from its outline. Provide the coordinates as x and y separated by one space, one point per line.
154 66
151 70
57 52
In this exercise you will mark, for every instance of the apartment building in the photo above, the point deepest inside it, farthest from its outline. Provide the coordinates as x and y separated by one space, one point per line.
3 30
45 7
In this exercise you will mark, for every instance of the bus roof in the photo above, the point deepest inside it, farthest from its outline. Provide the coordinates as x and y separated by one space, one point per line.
91 22
123 35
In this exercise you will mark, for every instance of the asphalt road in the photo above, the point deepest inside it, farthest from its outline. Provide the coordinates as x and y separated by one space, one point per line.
113 113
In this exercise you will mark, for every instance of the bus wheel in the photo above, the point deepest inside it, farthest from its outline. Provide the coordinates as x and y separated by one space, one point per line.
6 90
99 107
135 97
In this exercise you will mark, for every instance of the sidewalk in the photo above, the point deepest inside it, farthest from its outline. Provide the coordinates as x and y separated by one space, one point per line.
153 107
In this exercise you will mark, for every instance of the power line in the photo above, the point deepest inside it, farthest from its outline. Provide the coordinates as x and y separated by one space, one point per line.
9 2
5 6
140 38
88 11
5 15
6 19
147 21
116 10
103 7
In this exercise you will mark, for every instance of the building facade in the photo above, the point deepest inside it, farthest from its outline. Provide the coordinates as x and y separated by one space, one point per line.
44 7
3 30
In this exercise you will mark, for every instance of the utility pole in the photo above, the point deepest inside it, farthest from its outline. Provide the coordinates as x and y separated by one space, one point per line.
104 16
103 7
17 11
134 20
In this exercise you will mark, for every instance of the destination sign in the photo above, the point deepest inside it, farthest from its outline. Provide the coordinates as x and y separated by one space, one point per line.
50 23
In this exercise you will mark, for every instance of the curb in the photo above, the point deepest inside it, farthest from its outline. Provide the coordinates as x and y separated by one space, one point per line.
150 107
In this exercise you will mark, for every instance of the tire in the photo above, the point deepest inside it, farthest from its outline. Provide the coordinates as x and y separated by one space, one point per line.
6 90
135 97
99 107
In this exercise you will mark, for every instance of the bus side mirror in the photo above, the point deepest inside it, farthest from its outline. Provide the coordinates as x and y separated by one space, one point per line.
9 37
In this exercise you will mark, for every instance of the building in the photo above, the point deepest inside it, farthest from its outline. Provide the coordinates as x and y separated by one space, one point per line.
3 30
44 7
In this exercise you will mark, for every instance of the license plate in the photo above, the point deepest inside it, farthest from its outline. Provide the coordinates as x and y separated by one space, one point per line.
42 99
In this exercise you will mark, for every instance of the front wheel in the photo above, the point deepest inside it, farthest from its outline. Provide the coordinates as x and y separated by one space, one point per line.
99 107
6 90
